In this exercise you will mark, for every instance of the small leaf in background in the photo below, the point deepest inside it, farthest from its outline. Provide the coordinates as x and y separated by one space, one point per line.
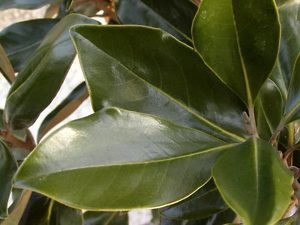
5 66
64 215
122 155
8 168
23 4
202 204
245 57
254 182
109 218
21 39
147 70
38 83
64 109
172 16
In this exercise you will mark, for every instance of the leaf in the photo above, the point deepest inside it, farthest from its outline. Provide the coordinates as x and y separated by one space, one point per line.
146 70
15 216
254 182
172 16
122 155
21 39
204 203
245 35
64 215
8 168
287 221
23 4
64 109
38 83
107 218
292 107
5 66
269 109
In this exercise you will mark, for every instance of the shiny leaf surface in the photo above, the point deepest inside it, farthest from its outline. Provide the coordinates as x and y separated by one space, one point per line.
146 157
245 57
253 169
38 83
23 4
173 16
20 40
108 218
8 168
147 70
64 109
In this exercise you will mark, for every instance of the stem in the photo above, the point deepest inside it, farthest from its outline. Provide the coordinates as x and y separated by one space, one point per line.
252 121
273 139
49 211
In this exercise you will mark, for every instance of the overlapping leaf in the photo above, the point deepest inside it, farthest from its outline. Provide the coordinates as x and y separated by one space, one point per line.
239 40
38 83
253 169
21 39
122 155
5 66
172 16
8 168
147 70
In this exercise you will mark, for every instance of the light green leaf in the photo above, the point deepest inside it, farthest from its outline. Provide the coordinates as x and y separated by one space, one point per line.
8 167
239 40
254 182
37 84
114 155
147 70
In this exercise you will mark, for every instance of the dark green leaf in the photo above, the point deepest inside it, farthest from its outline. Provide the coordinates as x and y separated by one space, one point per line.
64 109
23 4
254 182
63 215
105 218
122 155
202 204
21 39
147 70
38 83
287 221
8 168
5 66
242 58
292 107
269 109
173 16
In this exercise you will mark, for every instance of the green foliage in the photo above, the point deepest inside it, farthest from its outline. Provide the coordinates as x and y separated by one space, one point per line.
195 113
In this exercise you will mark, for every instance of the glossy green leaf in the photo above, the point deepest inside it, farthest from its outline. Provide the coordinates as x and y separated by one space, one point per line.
254 182
269 109
290 42
23 4
291 111
245 36
38 83
172 16
5 66
147 70
204 203
64 109
15 216
119 155
21 39
8 168
107 218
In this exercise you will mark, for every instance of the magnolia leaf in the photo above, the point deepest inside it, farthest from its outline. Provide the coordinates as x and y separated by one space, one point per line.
5 66
64 109
147 70
109 218
253 169
23 4
37 84
122 155
245 57
20 40
8 167
172 16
